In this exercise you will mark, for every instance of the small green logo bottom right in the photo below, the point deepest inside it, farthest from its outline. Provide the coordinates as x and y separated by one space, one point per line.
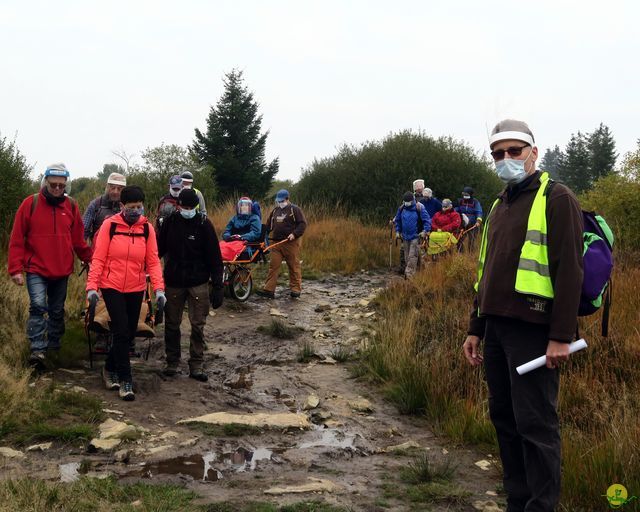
618 496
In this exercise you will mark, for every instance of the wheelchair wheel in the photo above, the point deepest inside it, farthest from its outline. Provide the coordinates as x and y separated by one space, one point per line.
240 284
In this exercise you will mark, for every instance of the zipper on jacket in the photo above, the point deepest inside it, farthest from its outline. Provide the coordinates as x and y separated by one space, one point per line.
55 229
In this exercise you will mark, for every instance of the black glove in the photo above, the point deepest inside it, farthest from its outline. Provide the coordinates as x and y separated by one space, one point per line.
216 297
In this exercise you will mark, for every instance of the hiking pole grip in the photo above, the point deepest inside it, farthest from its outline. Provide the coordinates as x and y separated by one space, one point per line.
92 308
159 318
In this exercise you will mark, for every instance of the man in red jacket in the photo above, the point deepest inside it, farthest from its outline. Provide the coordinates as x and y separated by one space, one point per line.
46 232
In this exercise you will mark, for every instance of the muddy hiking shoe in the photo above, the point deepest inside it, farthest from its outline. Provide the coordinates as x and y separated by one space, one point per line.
126 391
170 371
199 375
110 379
37 360
266 294
295 295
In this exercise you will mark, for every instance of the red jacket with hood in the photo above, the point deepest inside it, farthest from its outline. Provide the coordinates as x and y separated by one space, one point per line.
448 220
122 262
43 241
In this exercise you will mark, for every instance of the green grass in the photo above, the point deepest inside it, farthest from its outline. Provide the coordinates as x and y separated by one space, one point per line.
230 430
342 354
279 329
87 494
421 471
54 415
307 352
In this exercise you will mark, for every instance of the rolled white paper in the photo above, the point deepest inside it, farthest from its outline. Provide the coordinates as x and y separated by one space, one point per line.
538 362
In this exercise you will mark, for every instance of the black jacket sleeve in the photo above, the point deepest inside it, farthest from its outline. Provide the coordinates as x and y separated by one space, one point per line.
162 238
301 223
212 248
476 323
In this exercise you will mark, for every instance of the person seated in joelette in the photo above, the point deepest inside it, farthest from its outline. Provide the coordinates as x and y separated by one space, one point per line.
446 219
244 227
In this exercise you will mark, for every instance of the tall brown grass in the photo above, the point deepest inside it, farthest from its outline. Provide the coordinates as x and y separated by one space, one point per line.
416 355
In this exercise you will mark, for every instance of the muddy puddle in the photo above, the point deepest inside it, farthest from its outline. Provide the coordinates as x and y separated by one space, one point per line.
329 438
207 467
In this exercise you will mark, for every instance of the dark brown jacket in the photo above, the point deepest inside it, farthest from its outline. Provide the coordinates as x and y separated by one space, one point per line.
507 226
284 221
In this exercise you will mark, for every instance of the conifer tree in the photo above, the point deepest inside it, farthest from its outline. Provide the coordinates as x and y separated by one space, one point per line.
233 144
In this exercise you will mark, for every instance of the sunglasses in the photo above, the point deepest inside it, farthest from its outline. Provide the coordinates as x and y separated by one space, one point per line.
513 151
58 186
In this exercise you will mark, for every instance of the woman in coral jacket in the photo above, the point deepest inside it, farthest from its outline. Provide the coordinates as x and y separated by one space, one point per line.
446 219
125 250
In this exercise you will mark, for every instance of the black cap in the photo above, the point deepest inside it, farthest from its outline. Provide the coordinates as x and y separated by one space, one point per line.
131 194
188 198
467 190
408 196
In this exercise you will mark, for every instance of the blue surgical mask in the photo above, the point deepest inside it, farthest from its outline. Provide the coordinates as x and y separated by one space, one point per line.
512 171
188 214
131 215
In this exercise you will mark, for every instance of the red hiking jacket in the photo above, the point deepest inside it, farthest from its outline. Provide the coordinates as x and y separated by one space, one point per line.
43 242
122 262
446 221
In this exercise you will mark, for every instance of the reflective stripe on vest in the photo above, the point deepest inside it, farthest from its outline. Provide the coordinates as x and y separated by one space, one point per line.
533 276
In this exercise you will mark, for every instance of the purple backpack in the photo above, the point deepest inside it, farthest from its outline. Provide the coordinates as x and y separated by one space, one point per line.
597 259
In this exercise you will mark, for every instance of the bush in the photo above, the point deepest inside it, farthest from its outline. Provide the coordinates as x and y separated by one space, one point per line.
14 183
615 197
369 180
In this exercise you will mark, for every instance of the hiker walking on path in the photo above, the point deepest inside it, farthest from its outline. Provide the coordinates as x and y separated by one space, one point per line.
104 206
168 203
126 250
430 202
470 210
189 245
285 222
47 230
528 291
187 182
412 223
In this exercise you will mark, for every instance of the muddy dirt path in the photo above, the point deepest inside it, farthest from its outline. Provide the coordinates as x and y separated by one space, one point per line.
253 372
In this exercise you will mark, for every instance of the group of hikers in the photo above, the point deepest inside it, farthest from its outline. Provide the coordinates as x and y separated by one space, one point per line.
123 251
422 213
528 290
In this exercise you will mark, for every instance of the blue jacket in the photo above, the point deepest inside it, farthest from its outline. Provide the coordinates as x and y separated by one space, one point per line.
471 207
247 226
433 205
406 221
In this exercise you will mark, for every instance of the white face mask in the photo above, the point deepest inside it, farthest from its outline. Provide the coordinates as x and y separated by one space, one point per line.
408 203
174 193
188 214
512 171
466 196
282 204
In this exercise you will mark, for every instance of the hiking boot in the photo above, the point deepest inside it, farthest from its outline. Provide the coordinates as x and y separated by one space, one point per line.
266 294
295 295
37 360
170 371
126 391
110 379
199 375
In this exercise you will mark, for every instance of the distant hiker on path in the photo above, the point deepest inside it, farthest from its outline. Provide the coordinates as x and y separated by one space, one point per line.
104 206
470 210
187 182
447 219
46 232
431 203
285 222
412 223
528 291
168 203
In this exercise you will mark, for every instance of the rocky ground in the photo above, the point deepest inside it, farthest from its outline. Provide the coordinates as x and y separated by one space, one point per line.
333 437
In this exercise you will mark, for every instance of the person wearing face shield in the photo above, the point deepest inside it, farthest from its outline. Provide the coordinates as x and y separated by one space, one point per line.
285 222
244 225
104 206
528 292
412 223
47 231
169 202
189 245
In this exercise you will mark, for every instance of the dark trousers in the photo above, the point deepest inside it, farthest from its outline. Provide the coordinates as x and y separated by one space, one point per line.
197 299
124 310
523 410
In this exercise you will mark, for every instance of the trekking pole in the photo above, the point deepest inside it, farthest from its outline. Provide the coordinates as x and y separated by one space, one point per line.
391 245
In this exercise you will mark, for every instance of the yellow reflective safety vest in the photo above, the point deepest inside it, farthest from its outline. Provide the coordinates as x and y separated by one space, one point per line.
533 276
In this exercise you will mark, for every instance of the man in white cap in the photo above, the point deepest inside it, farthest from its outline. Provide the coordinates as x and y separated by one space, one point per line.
187 182
528 292
47 231
104 206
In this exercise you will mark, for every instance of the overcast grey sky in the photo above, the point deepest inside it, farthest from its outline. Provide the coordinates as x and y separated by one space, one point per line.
80 79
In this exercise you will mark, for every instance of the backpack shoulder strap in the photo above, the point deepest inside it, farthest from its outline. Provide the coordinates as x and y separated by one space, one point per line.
34 203
145 230
112 230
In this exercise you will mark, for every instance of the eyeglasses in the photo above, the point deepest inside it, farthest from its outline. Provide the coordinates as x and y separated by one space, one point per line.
513 151
59 186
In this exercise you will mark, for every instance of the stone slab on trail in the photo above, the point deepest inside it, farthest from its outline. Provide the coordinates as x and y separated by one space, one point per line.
314 485
267 420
